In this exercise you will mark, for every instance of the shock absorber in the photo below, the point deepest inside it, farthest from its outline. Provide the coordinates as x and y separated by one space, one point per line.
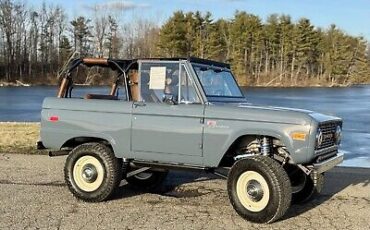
265 146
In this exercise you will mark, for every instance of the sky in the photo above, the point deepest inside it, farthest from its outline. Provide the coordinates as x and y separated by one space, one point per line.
351 16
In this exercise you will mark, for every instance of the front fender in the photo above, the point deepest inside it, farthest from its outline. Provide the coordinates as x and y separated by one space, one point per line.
221 135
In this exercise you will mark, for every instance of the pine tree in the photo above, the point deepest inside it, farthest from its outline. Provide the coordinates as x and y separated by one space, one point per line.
82 35
172 41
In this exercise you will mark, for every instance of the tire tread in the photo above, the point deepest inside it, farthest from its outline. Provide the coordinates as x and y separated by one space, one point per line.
280 183
112 166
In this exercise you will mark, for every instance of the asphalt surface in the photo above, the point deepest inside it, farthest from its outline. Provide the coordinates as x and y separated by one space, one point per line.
33 195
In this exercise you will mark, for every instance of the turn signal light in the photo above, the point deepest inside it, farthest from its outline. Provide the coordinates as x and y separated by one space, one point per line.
299 136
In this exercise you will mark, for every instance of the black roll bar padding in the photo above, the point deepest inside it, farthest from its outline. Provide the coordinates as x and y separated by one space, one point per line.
74 64
128 95
70 88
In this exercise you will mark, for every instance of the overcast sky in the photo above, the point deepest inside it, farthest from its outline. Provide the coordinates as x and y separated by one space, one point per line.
351 16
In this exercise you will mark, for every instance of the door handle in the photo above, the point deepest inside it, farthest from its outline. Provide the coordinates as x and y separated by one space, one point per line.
139 103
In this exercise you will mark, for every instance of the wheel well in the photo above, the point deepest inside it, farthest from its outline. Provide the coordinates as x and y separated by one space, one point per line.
74 142
241 142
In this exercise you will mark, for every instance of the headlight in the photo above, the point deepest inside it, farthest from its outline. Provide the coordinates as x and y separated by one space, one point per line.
319 138
338 135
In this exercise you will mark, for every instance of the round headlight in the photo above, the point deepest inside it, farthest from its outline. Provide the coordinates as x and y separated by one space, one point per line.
319 138
338 135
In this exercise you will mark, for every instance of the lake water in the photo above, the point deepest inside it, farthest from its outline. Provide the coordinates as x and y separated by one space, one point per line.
352 104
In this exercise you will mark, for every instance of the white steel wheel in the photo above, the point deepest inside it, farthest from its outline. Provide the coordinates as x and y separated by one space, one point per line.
92 172
253 191
259 189
88 173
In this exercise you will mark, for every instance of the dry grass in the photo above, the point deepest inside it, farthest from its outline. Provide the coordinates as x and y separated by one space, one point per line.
19 137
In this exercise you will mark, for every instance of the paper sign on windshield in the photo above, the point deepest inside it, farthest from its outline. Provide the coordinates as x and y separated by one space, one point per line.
157 77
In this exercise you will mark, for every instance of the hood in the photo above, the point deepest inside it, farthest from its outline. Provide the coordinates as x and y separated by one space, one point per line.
272 108
269 114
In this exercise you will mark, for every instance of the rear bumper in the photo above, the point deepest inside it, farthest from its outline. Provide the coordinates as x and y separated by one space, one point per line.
40 145
328 164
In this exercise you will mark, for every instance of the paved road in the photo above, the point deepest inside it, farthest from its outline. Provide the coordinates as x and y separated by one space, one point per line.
33 196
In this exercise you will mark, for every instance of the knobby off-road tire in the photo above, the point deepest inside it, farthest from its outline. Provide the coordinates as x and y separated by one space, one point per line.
259 189
92 172
148 180
306 189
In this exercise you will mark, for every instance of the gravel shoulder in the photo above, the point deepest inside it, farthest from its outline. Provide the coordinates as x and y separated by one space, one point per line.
34 196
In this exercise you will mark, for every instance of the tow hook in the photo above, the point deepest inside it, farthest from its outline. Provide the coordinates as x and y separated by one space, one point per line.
305 169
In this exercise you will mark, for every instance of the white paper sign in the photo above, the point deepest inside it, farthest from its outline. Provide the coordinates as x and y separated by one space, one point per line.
157 77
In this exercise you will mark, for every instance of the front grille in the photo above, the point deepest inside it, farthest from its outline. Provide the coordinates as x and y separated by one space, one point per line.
324 154
328 134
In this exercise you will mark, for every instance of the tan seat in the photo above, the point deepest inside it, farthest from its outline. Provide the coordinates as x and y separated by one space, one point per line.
134 86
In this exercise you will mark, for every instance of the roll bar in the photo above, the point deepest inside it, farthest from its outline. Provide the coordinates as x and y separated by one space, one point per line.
103 62
95 61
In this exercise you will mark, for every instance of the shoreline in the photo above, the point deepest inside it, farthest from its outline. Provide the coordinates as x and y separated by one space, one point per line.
11 84
242 86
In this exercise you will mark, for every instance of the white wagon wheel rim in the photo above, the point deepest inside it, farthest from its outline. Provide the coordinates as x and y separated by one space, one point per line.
88 173
253 191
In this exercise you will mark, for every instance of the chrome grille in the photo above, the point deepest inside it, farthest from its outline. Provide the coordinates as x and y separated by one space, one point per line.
324 154
328 134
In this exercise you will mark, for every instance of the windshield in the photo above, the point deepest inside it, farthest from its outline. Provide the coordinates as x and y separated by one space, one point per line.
217 82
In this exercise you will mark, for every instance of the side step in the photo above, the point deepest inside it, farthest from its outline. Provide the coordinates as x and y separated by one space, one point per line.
173 166
221 172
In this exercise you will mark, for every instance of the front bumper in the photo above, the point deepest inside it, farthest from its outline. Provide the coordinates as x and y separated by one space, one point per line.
327 164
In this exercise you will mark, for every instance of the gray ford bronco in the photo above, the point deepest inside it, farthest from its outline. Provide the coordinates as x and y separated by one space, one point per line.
189 114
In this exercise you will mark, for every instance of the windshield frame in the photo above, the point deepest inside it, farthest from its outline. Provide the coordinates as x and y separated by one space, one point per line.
194 64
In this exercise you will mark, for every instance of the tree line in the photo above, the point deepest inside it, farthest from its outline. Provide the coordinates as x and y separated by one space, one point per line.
36 43
276 52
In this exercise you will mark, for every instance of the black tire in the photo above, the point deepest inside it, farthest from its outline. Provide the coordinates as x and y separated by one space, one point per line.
268 187
303 187
104 172
149 180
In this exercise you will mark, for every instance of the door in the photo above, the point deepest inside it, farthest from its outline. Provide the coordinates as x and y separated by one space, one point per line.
167 122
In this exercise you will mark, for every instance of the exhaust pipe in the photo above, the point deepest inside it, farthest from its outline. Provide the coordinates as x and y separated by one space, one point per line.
58 153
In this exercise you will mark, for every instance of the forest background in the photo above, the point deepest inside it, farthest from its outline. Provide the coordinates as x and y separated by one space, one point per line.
275 51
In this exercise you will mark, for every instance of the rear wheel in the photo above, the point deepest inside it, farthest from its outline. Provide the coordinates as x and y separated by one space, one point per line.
147 180
92 172
259 189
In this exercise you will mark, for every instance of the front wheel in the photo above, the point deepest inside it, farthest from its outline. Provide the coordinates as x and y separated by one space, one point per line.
259 189
92 172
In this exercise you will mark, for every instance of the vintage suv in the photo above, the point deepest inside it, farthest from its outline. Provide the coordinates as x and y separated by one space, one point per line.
187 113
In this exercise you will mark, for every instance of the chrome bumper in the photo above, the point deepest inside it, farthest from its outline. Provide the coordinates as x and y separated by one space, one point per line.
328 164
